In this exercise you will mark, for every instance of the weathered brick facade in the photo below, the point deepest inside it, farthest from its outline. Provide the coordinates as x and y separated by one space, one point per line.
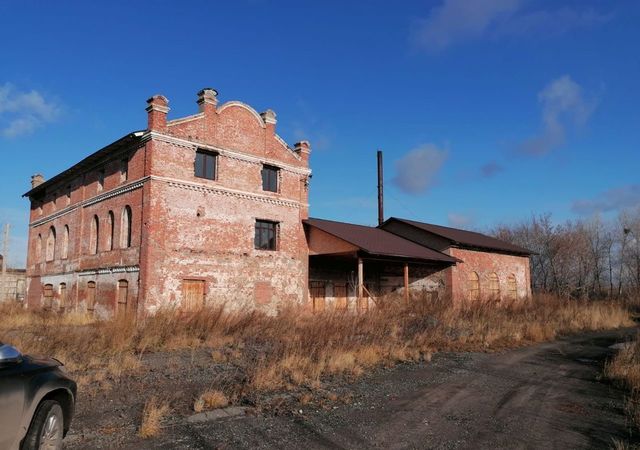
181 226
213 207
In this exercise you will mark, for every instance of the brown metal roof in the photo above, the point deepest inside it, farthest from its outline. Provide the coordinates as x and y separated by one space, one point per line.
466 238
376 241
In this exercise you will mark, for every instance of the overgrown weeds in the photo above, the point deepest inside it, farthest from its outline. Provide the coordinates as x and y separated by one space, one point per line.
152 415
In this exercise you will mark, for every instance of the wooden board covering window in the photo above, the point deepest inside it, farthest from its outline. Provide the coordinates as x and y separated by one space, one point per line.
494 286
192 294
340 294
48 296
91 295
317 293
123 295
512 287
474 286
63 295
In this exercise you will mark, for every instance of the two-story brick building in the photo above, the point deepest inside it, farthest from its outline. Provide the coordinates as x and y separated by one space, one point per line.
214 207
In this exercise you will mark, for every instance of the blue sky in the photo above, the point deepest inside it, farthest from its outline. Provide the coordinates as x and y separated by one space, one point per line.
487 111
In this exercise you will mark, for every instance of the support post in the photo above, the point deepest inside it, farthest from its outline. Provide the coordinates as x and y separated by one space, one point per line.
360 279
406 282
380 190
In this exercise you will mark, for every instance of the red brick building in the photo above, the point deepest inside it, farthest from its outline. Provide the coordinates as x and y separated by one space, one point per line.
214 207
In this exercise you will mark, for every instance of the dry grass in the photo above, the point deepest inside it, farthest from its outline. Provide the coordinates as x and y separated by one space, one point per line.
152 415
296 349
211 399
625 368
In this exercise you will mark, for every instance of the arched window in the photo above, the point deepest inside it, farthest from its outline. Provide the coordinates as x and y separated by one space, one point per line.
494 286
123 295
112 227
64 254
94 238
51 245
125 228
38 249
48 296
512 287
91 295
63 295
474 286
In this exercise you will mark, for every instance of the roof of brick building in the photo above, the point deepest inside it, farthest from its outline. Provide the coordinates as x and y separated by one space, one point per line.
376 241
465 238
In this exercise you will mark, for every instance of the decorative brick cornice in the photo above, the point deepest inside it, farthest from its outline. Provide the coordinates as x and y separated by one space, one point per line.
91 201
219 190
233 154
108 270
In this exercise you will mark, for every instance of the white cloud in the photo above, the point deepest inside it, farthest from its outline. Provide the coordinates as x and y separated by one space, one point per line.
610 200
417 170
458 220
457 21
563 106
23 112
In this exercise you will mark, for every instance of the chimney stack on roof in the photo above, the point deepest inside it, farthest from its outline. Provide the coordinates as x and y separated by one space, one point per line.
36 180
157 109
207 100
269 118
303 149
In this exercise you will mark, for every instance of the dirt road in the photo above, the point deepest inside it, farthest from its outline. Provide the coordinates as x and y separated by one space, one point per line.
546 396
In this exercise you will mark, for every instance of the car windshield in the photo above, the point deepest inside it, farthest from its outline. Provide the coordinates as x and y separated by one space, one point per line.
8 353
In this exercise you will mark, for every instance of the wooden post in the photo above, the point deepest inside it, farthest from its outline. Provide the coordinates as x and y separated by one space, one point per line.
406 282
360 279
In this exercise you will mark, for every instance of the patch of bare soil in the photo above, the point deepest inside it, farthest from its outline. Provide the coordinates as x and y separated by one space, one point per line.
545 396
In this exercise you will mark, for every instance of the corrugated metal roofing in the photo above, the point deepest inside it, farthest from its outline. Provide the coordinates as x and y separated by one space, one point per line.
376 241
466 238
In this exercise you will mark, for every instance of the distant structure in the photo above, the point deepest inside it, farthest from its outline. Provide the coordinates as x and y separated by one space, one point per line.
12 283
213 207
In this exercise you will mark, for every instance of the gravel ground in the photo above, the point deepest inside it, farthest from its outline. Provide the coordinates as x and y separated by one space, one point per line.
545 396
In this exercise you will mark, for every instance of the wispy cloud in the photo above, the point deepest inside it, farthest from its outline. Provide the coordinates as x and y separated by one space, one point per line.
563 106
459 220
491 169
457 21
22 112
610 200
417 170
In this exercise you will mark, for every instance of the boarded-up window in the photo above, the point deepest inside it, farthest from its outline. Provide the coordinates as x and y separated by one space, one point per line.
512 287
317 294
63 296
125 227
94 235
192 294
48 296
64 254
473 286
39 249
91 295
111 230
494 286
340 294
123 295
51 245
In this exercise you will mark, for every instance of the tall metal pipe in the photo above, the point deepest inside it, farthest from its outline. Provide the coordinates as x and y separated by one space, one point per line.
380 190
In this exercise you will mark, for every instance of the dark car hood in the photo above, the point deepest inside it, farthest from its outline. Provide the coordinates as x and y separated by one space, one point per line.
30 364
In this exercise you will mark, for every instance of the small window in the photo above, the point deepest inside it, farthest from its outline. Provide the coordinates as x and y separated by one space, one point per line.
474 286
64 254
205 166
48 296
512 287
494 286
100 180
68 195
91 295
125 228
123 295
63 295
124 170
39 249
51 245
266 235
270 178
112 228
94 237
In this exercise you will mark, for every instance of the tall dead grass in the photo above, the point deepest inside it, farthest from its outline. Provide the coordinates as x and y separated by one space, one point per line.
625 368
292 348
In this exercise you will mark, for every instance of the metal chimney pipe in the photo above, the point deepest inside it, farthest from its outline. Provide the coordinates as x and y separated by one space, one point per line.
380 190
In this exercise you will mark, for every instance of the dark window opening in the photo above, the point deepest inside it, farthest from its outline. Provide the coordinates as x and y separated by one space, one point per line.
100 180
124 170
270 178
205 166
266 235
